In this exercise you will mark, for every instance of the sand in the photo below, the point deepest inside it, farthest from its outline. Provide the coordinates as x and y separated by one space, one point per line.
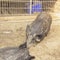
49 48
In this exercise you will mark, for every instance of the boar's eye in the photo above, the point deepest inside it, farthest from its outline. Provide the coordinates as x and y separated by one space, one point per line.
39 36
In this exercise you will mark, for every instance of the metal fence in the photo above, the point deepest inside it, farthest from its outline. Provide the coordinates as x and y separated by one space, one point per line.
18 7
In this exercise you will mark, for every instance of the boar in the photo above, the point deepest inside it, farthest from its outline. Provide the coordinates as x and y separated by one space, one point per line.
38 29
15 53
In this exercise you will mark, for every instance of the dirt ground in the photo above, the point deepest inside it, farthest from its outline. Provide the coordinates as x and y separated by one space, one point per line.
48 49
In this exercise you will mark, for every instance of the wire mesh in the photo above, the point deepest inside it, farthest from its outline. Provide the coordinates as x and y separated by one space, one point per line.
18 7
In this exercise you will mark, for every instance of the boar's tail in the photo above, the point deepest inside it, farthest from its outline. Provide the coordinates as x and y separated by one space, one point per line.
23 45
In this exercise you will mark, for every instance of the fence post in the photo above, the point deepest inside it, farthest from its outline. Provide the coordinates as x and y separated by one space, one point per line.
30 7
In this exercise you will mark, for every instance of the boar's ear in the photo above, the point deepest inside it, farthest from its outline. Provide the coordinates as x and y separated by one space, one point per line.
28 29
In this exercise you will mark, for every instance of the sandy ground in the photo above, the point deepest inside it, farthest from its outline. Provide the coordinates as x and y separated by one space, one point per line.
48 49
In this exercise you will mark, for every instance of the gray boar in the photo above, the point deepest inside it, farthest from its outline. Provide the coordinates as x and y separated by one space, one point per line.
38 29
15 53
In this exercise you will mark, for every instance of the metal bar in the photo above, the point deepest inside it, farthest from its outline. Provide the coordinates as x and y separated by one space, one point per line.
30 6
